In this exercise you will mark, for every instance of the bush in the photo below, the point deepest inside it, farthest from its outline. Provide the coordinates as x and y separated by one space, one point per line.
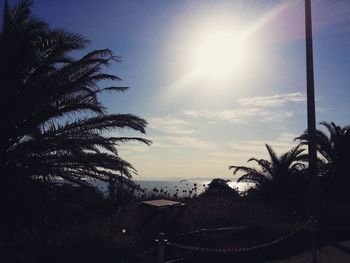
220 186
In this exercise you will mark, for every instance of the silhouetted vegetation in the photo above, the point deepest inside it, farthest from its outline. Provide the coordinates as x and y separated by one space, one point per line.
54 123
286 176
279 177
334 158
219 187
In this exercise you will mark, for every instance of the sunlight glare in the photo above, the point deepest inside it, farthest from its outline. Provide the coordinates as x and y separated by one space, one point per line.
219 54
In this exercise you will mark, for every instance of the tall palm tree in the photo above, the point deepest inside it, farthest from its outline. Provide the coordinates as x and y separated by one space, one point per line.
334 152
53 122
278 175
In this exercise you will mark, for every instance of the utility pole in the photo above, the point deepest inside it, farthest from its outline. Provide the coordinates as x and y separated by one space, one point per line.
311 121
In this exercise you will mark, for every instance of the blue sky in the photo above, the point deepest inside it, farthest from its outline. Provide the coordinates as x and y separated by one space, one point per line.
216 80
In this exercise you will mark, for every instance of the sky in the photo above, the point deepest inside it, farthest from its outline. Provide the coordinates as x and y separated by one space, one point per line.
215 80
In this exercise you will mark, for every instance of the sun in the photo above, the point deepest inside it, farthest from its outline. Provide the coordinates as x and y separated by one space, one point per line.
219 53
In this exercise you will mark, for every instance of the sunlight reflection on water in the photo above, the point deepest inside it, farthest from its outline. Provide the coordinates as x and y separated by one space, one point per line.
185 188
180 188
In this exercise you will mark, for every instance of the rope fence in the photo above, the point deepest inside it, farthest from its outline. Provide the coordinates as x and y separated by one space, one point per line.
213 230
143 254
330 227
163 243
175 260
238 250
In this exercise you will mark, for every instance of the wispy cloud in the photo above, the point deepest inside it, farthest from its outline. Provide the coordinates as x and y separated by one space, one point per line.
284 142
193 143
183 143
181 139
134 148
254 109
170 125
241 115
278 100
172 133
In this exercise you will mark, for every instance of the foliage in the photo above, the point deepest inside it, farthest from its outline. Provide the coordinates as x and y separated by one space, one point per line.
100 238
220 187
334 155
54 122
120 194
278 176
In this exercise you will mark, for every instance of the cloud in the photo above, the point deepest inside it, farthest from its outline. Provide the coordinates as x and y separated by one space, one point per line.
241 115
134 148
183 143
283 143
176 134
171 134
181 139
171 125
278 100
254 109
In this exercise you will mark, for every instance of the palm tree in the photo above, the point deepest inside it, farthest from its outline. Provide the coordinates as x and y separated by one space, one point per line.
334 153
53 122
278 175
220 187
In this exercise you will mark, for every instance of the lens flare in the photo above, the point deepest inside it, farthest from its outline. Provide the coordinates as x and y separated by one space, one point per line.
219 54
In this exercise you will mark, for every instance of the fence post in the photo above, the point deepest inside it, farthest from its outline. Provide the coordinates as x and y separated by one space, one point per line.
161 247
314 240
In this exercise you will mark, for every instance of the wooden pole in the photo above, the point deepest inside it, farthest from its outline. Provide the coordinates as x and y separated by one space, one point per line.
161 247
311 120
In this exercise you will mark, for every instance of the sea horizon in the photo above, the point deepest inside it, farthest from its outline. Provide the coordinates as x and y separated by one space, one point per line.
173 188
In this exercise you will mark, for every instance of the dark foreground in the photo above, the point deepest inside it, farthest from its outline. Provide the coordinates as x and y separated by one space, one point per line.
78 225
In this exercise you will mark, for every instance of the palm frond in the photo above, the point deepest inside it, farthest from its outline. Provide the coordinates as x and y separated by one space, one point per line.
57 125
273 155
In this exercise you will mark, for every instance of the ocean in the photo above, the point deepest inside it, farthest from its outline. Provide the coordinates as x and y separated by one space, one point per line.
171 188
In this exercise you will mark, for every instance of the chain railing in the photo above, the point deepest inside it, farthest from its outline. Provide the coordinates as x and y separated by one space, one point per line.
332 227
206 250
175 260
163 243
142 254
212 230
237 250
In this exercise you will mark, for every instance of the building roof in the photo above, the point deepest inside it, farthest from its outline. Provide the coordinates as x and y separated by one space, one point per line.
161 203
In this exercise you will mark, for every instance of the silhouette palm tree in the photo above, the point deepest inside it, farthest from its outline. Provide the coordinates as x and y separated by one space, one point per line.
53 123
220 186
278 175
334 152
